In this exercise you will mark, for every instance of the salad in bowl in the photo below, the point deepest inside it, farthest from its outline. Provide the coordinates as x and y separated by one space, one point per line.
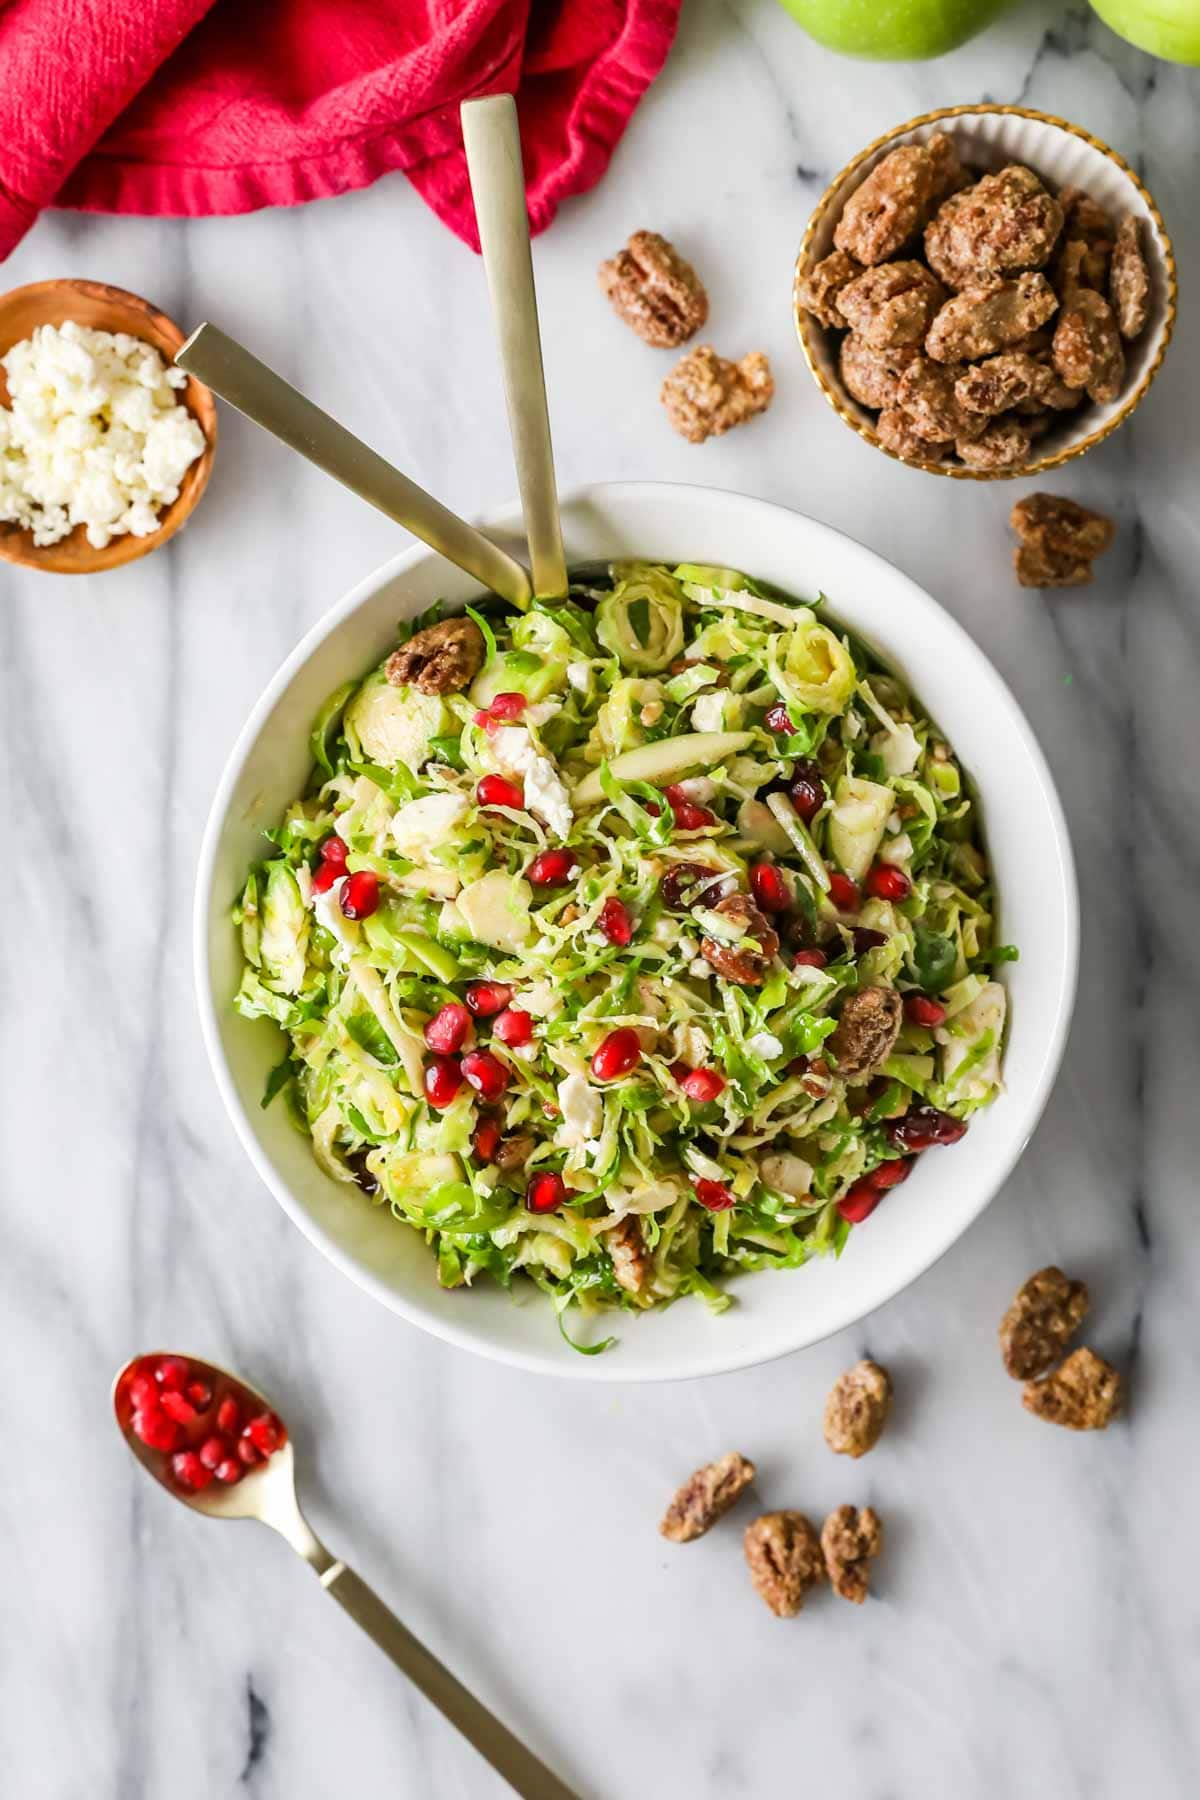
628 944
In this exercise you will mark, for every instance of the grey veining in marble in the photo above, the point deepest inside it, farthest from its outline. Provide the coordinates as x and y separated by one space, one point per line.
1037 1625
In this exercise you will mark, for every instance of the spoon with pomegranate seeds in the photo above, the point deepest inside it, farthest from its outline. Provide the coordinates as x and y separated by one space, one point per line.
218 1445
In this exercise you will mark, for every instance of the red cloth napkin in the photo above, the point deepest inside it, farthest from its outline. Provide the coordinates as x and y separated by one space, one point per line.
186 107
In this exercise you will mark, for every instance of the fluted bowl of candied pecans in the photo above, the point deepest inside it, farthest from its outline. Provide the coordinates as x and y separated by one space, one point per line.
985 292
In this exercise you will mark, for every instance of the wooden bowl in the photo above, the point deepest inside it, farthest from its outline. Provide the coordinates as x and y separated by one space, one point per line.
103 308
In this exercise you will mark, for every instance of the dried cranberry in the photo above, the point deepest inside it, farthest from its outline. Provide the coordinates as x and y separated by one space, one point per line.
924 1011
680 887
552 868
615 922
859 1202
713 1196
890 1174
360 896
190 1472
769 888
884 882
229 1471
619 1052
779 720
703 1085
513 1027
214 1450
178 1407
485 1139
486 1073
809 959
843 893
807 790
495 790
154 1428
865 939
449 1029
171 1372
229 1416
508 706
487 997
325 877
923 1127
443 1078
333 851
546 1192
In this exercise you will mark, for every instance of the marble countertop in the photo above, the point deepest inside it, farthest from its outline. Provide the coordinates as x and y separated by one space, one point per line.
1037 1625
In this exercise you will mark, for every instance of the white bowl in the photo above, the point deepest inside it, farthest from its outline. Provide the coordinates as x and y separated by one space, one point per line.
774 1312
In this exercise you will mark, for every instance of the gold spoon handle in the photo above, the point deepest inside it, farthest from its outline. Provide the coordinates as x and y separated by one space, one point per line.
240 378
508 1756
493 147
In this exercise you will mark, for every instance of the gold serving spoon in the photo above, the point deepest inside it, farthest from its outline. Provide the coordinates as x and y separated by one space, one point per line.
266 1491
493 146
238 376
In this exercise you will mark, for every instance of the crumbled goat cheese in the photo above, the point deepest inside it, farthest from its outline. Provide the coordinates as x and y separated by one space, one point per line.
582 1111
93 435
764 1044
513 750
699 788
708 712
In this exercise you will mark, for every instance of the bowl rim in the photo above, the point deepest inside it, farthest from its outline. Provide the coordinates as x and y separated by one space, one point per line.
583 1368
804 325
18 548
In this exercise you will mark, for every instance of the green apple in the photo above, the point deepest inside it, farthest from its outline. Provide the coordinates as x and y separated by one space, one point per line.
900 30
1167 28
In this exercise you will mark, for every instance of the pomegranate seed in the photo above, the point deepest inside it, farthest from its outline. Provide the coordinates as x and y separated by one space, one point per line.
449 1029
360 896
178 1407
615 922
859 1202
924 1011
620 1052
713 1196
688 816
143 1390
200 1395
248 1452
779 720
809 959
333 851
485 1140
229 1416
513 1027
546 1192
325 877
487 997
807 790
865 939
703 1085
484 721
923 1127
443 1078
214 1450
486 1073
263 1432
887 883
508 706
152 1426
496 790
229 1471
171 1372
551 868
769 887
190 1472
890 1174
843 893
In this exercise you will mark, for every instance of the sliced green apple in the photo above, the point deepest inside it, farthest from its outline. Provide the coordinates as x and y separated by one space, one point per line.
660 763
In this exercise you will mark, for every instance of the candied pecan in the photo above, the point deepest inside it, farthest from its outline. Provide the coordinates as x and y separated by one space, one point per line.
442 659
1038 419
948 173
1038 566
746 961
1043 1318
895 432
1085 222
1053 521
872 376
818 291
1087 346
857 1409
891 205
1009 380
657 293
1004 444
850 1539
1085 1394
1129 280
783 1552
706 395
891 305
1005 223
867 1028
631 1261
514 1152
989 316
927 396
706 1497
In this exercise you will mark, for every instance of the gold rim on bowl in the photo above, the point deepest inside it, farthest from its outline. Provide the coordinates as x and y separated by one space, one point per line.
806 326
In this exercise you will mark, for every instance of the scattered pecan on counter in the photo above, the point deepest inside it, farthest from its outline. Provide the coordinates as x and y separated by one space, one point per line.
784 1556
850 1539
442 659
706 1497
705 395
1043 1318
1059 540
657 293
1085 1394
857 1409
